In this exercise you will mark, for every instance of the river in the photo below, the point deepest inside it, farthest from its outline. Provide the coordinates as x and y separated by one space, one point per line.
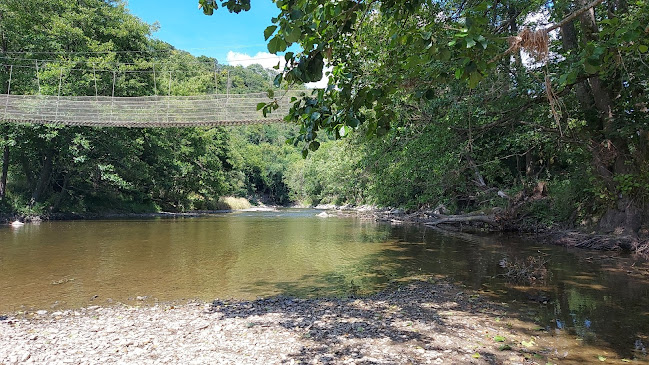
595 299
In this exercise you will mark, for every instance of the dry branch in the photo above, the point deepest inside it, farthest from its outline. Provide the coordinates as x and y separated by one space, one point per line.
573 15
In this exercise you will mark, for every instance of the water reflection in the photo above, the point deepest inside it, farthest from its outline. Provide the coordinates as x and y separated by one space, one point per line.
588 296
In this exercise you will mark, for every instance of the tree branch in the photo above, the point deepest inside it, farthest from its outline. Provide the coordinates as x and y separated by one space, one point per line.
572 16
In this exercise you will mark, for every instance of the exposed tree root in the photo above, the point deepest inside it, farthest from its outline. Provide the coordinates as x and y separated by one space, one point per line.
598 241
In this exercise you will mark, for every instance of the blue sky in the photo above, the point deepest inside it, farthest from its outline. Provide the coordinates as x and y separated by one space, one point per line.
185 27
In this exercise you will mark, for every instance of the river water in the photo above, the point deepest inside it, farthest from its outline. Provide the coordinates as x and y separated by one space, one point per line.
598 299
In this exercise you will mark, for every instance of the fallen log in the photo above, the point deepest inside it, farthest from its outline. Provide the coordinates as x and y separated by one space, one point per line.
462 218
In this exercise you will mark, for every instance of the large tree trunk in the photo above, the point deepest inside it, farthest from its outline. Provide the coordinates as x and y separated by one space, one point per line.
5 152
610 153
570 43
5 168
44 177
61 197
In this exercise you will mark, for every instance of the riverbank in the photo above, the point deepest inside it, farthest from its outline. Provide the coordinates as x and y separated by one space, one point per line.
473 223
423 322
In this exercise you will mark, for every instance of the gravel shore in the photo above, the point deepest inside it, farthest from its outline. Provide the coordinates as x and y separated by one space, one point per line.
420 323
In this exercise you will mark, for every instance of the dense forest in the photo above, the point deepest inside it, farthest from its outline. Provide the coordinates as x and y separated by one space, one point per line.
538 107
77 48
457 105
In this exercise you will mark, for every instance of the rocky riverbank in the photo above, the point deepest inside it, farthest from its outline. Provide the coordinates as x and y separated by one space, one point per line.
424 322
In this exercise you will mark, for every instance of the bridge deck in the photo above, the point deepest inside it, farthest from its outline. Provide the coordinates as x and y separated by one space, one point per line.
144 111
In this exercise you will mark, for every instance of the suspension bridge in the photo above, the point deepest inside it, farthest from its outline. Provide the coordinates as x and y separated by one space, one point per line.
141 111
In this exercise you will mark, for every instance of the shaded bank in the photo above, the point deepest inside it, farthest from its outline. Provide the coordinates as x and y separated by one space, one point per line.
500 221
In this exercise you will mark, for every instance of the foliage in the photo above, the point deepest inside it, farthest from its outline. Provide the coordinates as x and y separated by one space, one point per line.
464 119
497 118
79 49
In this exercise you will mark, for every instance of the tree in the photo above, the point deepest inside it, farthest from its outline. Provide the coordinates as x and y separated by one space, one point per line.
394 53
95 47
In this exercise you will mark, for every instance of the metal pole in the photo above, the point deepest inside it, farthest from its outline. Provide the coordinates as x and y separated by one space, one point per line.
11 69
155 92
228 92
94 77
58 95
38 78
114 76
216 81
60 81
169 92
112 97
168 97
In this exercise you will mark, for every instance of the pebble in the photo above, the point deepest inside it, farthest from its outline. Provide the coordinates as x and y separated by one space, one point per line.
284 330
25 357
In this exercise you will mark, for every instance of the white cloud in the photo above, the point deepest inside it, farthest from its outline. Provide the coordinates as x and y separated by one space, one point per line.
269 60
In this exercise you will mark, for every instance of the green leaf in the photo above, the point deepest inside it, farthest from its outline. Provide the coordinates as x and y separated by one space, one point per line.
260 106
590 69
296 14
474 79
294 35
504 348
278 80
470 42
476 356
269 31
499 339
276 44
601 358
343 131
643 48
314 145
529 343
270 93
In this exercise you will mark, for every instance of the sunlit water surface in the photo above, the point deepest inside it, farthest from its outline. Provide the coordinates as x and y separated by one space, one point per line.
592 298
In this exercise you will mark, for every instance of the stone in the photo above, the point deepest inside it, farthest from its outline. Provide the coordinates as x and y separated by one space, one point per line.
25 356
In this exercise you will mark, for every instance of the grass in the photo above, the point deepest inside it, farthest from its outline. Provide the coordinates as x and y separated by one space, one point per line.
232 203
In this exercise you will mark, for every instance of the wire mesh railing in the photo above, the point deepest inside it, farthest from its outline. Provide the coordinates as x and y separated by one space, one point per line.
143 111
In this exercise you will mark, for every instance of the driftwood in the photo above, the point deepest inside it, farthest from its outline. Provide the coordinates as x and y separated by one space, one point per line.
462 218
